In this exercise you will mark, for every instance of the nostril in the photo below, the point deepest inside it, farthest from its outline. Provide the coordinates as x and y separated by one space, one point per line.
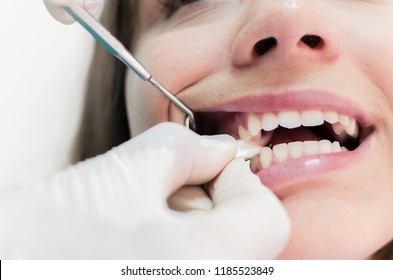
312 41
263 46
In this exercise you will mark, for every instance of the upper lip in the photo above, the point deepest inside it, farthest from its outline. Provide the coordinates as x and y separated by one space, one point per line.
228 118
292 100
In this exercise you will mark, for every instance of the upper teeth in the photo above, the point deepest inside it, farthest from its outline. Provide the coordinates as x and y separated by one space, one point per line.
294 119
343 127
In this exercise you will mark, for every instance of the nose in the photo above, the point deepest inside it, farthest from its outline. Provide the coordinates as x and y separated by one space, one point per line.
293 31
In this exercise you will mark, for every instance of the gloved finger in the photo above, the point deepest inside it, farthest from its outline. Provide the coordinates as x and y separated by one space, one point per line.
55 9
246 214
177 156
190 198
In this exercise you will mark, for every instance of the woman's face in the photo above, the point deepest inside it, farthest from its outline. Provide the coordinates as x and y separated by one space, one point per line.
309 80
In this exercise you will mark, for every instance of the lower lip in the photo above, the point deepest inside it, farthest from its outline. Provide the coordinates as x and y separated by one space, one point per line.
284 177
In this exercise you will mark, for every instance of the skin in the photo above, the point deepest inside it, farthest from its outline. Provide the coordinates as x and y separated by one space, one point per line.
210 48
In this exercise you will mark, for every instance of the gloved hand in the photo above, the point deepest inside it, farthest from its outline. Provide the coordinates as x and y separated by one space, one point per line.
115 205
92 6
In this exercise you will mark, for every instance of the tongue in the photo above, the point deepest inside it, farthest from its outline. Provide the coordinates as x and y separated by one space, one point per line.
283 135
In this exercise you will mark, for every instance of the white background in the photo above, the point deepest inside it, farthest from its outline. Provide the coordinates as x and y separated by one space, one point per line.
43 66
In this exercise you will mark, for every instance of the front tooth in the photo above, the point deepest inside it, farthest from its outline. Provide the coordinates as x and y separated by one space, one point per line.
280 152
353 128
247 150
343 119
244 134
324 147
254 124
289 119
266 157
310 148
269 122
295 149
312 118
331 117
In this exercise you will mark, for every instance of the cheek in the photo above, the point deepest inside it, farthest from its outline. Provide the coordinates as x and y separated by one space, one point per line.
180 58
177 60
373 52
140 98
378 64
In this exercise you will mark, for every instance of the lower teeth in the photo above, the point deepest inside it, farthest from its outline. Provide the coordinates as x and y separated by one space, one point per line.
283 152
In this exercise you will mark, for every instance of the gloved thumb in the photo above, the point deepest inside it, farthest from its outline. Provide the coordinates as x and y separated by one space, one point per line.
171 156
248 213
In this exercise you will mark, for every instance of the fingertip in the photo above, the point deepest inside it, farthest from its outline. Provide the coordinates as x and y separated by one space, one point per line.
60 15
60 2
220 139
221 142
209 156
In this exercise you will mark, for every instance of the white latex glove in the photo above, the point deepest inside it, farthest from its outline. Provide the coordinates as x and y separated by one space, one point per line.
115 206
92 6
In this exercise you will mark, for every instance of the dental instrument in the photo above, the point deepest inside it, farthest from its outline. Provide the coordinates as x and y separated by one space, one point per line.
116 48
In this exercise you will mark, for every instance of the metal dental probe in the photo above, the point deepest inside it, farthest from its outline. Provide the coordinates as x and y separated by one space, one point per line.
116 48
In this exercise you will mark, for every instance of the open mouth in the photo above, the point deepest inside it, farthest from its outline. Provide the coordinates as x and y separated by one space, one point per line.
287 135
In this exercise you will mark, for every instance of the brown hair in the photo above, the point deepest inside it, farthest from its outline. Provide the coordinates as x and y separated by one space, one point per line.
104 121
386 253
